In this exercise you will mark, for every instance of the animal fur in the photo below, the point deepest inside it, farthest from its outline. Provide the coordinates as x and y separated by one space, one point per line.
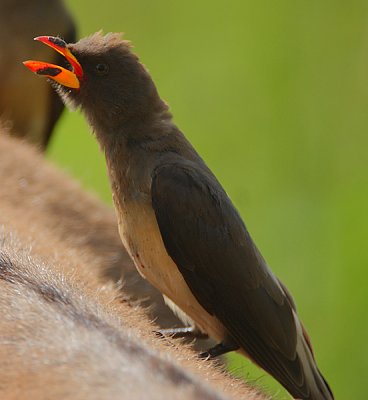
65 330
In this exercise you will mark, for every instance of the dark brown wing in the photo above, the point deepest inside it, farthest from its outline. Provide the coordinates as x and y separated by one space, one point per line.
206 238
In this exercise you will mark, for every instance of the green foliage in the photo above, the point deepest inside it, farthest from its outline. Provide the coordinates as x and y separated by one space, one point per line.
274 96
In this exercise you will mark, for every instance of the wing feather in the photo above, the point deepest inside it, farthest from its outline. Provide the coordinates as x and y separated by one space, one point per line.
205 236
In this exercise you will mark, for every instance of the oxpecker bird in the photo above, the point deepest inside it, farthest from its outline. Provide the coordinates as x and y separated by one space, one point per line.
175 219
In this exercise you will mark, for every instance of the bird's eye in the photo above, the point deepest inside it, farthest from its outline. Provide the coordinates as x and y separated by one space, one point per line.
102 69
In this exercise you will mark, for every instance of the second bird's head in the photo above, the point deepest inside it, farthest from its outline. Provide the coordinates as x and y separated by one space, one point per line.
103 77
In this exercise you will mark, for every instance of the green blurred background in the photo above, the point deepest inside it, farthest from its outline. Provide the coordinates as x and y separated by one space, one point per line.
274 96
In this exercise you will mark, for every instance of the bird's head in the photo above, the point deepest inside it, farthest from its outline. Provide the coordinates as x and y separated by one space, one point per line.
103 77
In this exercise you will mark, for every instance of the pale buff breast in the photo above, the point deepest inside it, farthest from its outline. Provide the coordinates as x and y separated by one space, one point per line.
141 237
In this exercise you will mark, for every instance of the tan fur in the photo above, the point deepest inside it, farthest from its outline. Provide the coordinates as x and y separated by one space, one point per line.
35 195
64 331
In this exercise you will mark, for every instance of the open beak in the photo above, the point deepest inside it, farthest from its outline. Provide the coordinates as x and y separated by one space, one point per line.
63 76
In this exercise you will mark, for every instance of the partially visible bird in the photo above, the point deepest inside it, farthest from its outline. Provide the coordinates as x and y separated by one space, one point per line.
30 108
176 221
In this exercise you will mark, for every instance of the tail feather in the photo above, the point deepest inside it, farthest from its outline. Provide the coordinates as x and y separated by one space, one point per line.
318 386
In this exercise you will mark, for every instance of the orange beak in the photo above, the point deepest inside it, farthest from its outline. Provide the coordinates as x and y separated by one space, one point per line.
59 74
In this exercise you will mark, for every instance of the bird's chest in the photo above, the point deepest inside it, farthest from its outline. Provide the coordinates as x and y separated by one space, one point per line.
141 237
138 226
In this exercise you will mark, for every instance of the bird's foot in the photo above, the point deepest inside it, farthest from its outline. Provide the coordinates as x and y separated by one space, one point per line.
184 332
218 350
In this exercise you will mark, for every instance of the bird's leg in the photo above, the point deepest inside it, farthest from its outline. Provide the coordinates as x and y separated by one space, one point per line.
183 332
219 350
